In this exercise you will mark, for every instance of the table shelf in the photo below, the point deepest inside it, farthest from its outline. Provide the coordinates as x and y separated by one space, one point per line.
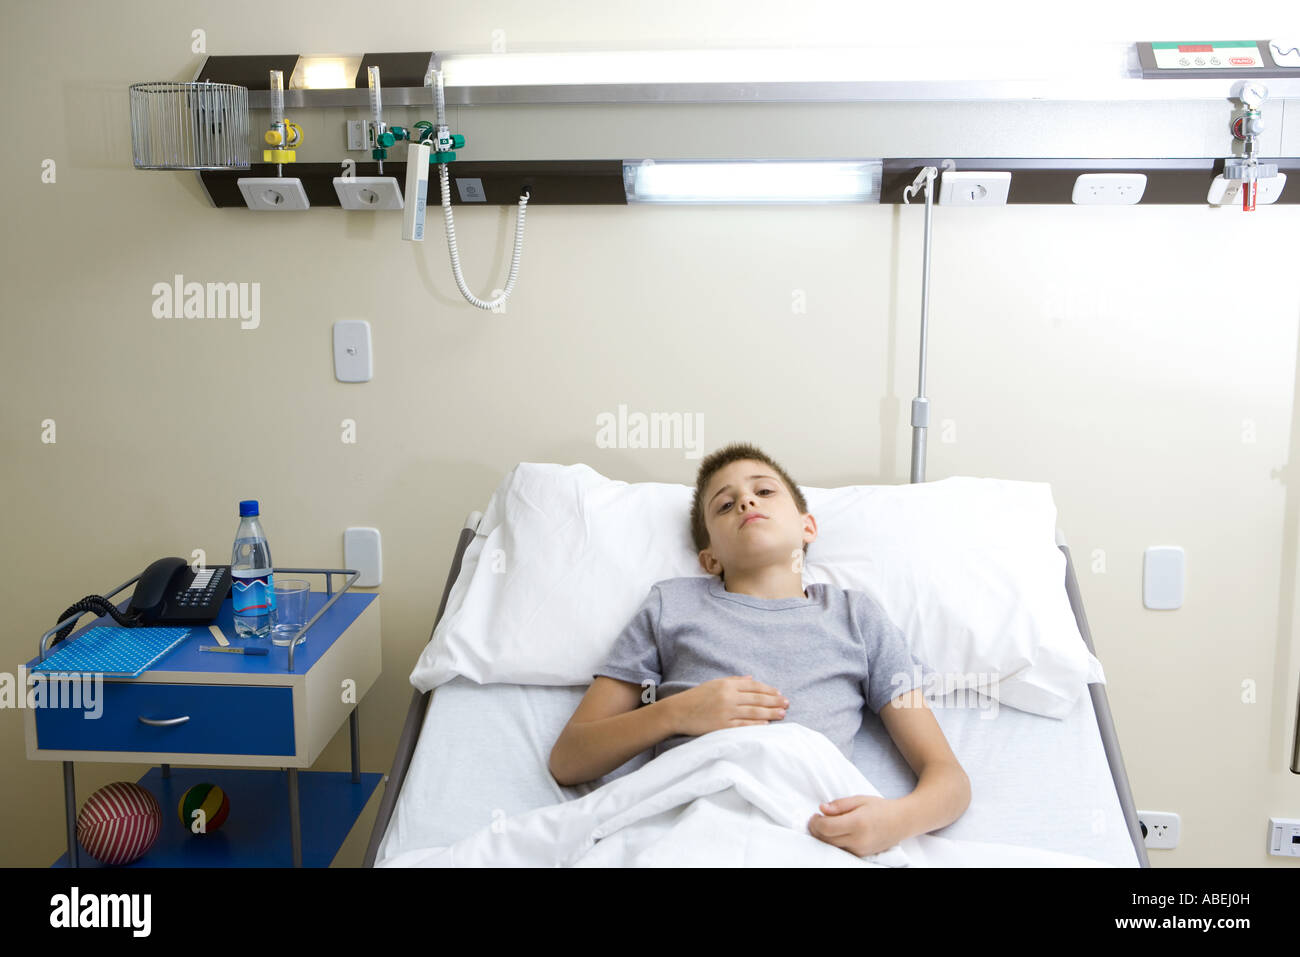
256 834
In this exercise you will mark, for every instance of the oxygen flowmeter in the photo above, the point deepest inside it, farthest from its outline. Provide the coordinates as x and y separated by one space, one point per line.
283 136
427 144
1246 127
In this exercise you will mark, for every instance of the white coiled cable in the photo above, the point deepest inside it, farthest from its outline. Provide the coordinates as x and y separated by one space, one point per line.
455 256
444 182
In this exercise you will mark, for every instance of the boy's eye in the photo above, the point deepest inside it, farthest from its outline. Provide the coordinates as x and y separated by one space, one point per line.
760 492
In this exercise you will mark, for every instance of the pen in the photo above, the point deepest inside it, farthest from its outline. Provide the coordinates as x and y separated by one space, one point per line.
234 651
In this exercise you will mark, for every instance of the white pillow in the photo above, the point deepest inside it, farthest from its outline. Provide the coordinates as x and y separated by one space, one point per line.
562 559
968 568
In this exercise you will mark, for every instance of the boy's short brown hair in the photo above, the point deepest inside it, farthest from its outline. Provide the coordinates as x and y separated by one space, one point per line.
735 452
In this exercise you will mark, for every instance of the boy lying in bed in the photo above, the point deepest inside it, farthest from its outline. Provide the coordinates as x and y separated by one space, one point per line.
672 674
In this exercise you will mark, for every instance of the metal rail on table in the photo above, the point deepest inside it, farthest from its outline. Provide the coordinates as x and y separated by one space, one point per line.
329 573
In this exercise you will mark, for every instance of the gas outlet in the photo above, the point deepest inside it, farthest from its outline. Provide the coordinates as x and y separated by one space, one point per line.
1227 192
357 135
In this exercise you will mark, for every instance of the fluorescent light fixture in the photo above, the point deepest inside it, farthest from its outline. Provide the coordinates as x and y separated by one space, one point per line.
753 181
927 61
325 73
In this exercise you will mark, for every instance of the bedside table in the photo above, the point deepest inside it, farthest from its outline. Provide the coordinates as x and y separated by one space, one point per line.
204 709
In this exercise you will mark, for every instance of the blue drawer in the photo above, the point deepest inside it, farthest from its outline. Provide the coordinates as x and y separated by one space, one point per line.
222 719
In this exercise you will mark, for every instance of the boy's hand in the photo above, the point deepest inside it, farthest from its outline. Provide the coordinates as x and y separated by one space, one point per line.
726 703
862 824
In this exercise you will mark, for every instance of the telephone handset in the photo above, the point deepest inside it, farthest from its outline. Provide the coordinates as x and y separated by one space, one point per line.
168 592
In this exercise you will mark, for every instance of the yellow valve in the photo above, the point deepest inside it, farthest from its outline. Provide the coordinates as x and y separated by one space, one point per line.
274 137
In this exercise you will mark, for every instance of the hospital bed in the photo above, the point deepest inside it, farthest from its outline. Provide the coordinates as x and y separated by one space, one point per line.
473 754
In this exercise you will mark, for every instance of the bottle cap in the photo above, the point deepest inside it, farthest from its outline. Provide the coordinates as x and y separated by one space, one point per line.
248 507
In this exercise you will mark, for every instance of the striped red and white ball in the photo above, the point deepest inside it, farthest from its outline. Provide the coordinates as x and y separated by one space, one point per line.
119 823
211 800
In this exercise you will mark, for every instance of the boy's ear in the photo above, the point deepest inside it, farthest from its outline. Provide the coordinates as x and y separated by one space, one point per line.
810 524
709 563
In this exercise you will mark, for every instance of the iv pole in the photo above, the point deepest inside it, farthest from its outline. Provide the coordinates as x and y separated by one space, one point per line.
920 404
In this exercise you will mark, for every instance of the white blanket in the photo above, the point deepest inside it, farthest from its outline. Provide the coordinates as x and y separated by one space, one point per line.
739 797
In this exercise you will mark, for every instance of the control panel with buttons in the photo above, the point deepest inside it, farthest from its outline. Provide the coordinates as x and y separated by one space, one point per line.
1213 58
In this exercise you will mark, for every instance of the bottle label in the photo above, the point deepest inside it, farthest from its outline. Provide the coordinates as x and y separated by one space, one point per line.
253 596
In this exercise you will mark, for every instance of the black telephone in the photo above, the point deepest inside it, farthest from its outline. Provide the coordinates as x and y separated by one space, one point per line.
168 592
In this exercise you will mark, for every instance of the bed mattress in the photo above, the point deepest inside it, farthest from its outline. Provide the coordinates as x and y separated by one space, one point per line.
1035 781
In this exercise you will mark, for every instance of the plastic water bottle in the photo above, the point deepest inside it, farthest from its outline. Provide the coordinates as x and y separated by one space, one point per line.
252 590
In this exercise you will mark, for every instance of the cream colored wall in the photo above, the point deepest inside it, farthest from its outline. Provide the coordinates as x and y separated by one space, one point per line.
1141 360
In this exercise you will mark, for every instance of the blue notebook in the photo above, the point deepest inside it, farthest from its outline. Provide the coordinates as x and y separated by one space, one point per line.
113 650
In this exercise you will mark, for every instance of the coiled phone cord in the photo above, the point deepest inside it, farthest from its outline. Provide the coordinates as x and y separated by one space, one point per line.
100 606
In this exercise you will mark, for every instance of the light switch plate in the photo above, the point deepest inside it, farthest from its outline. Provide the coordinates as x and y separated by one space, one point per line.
1162 577
352 354
362 551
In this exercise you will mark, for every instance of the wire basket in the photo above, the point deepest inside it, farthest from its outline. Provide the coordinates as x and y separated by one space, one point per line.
189 126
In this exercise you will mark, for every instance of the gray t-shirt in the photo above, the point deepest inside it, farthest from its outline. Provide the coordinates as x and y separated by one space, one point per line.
828 653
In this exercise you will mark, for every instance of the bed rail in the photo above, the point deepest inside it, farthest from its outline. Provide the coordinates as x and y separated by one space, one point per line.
1101 705
415 712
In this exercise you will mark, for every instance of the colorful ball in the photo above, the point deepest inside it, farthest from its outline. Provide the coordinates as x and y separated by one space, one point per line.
211 800
119 823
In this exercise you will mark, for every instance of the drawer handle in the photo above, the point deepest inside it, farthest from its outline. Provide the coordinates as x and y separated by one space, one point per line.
165 723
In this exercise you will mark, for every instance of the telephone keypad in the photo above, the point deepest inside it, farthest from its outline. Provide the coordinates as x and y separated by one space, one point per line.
199 600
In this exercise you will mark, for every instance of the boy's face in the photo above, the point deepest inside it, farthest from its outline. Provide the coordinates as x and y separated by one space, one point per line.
735 494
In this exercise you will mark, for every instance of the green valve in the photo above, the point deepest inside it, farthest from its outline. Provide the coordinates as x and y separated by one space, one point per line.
386 139
399 132
442 158
458 141
379 154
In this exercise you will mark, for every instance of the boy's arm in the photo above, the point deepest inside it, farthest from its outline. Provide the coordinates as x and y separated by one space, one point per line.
608 729
942 791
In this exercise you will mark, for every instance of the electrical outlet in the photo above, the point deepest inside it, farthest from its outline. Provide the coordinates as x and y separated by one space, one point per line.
1109 189
1159 828
974 188
1284 836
